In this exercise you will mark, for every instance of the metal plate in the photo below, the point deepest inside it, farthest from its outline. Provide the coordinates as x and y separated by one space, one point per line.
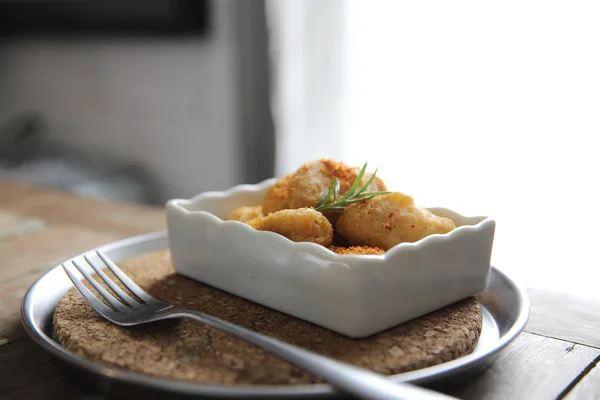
505 308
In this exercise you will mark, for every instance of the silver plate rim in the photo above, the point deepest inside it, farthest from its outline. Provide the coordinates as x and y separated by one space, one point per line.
140 244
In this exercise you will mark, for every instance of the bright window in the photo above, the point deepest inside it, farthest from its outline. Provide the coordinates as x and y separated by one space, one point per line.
487 108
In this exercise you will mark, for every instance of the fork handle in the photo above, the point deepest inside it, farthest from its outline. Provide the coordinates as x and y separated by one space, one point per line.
348 378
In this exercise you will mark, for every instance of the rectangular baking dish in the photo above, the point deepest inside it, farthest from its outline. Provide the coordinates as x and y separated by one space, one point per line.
354 295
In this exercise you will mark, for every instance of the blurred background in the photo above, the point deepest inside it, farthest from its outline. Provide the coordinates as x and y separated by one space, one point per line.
134 101
485 108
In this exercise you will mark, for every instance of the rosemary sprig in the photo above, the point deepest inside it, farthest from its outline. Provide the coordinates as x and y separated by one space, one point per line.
354 194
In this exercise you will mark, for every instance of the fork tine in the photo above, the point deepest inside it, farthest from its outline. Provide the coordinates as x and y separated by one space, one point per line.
128 300
103 292
129 284
87 294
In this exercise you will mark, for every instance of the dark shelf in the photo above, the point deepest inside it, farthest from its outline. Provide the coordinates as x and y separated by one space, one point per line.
104 17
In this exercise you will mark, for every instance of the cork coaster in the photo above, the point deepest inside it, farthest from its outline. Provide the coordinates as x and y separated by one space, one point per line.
187 350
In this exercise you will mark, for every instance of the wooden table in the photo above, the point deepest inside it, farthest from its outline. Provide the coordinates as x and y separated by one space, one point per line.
556 357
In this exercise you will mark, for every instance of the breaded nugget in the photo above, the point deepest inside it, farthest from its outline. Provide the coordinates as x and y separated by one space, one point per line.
299 225
309 182
246 213
276 197
358 250
385 221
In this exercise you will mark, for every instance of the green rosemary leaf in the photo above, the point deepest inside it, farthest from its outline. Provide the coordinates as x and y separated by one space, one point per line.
375 193
360 199
352 189
351 197
336 190
331 190
366 185
321 200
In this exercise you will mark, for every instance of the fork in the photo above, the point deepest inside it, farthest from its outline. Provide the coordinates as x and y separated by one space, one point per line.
128 311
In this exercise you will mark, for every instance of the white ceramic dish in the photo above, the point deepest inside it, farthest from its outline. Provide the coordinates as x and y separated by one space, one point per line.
356 296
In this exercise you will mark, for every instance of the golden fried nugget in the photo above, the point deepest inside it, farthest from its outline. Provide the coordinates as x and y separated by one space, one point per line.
244 214
384 221
276 197
309 182
358 250
298 225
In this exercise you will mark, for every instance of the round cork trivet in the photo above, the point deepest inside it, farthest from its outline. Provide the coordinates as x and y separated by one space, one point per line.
187 350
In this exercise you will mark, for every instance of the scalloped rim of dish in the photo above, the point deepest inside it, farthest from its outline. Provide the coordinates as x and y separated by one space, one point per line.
471 224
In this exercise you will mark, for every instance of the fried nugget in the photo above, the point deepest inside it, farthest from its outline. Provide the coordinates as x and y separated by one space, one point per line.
384 221
245 214
276 197
358 250
309 182
298 225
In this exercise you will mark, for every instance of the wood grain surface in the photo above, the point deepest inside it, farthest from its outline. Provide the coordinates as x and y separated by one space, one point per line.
557 358
26 372
588 388
533 367
56 207
565 316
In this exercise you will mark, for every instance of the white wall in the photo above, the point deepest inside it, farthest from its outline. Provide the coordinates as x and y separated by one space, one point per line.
169 104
